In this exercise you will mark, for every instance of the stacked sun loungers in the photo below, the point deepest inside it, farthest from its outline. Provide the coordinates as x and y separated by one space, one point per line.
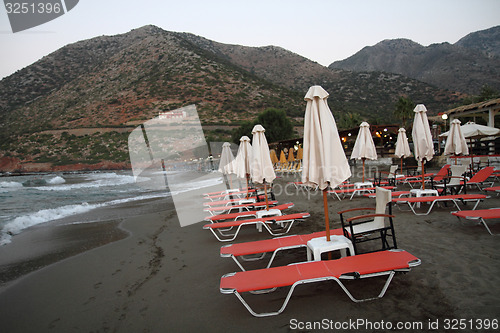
229 216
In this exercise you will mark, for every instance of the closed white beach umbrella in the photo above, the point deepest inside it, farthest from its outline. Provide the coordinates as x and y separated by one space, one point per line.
243 159
226 164
261 167
455 143
423 147
323 162
402 146
364 148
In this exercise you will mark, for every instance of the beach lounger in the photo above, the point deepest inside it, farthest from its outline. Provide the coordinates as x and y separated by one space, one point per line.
240 207
375 264
481 215
224 196
453 182
390 177
398 194
495 189
369 227
432 200
231 201
222 230
224 192
354 191
247 213
480 178
257 250
436 178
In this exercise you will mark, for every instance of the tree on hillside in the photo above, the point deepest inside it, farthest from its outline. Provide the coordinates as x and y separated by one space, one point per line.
349 120
244 129
278 126
486 93
403 109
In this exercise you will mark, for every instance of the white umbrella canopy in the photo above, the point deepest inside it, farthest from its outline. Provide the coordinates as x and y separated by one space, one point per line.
226 165
324 163
364 148
471 130
456 144
243 158
261 166
323 158
402 146
423 147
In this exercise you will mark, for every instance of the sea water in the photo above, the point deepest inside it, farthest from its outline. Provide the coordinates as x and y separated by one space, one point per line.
63 195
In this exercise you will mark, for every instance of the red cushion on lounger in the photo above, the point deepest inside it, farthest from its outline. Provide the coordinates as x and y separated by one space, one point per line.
282 276
264 219
484 213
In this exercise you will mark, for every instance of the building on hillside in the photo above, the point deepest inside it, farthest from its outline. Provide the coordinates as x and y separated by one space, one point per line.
172 115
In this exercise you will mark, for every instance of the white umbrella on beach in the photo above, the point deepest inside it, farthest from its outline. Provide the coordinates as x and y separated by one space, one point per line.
402 147
455 143
261 168
364 148
471 130
243 159
423 147
226 166
324 162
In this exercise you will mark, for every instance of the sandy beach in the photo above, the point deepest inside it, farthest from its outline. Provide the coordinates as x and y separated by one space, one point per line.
133 268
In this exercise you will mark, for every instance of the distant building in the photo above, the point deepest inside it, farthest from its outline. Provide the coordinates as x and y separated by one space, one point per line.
172 115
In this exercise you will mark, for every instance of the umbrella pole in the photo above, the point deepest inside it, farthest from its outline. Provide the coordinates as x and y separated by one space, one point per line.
423 182
402 165
363 170
327 219
265 193
248 190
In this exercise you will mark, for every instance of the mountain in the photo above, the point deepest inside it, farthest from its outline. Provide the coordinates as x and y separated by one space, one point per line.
76 106
486 41
370 94
466 66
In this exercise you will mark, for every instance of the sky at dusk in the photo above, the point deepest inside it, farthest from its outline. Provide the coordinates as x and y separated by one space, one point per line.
320 30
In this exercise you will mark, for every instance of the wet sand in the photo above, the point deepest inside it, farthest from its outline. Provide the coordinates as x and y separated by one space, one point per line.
154 276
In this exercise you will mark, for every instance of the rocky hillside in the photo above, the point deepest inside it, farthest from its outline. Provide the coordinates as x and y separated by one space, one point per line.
78 104
367 93
464 66
486 41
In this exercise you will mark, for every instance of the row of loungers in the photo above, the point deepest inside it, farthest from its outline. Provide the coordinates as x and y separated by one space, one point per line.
387 262
383 263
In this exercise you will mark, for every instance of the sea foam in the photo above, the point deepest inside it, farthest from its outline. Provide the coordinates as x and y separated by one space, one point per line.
20 223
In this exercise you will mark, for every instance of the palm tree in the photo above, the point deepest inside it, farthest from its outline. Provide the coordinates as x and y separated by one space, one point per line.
403 110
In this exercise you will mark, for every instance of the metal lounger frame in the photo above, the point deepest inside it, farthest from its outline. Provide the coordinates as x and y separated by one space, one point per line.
347 276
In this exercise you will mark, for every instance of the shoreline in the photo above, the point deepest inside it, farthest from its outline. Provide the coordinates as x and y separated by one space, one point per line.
163 277
48 243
